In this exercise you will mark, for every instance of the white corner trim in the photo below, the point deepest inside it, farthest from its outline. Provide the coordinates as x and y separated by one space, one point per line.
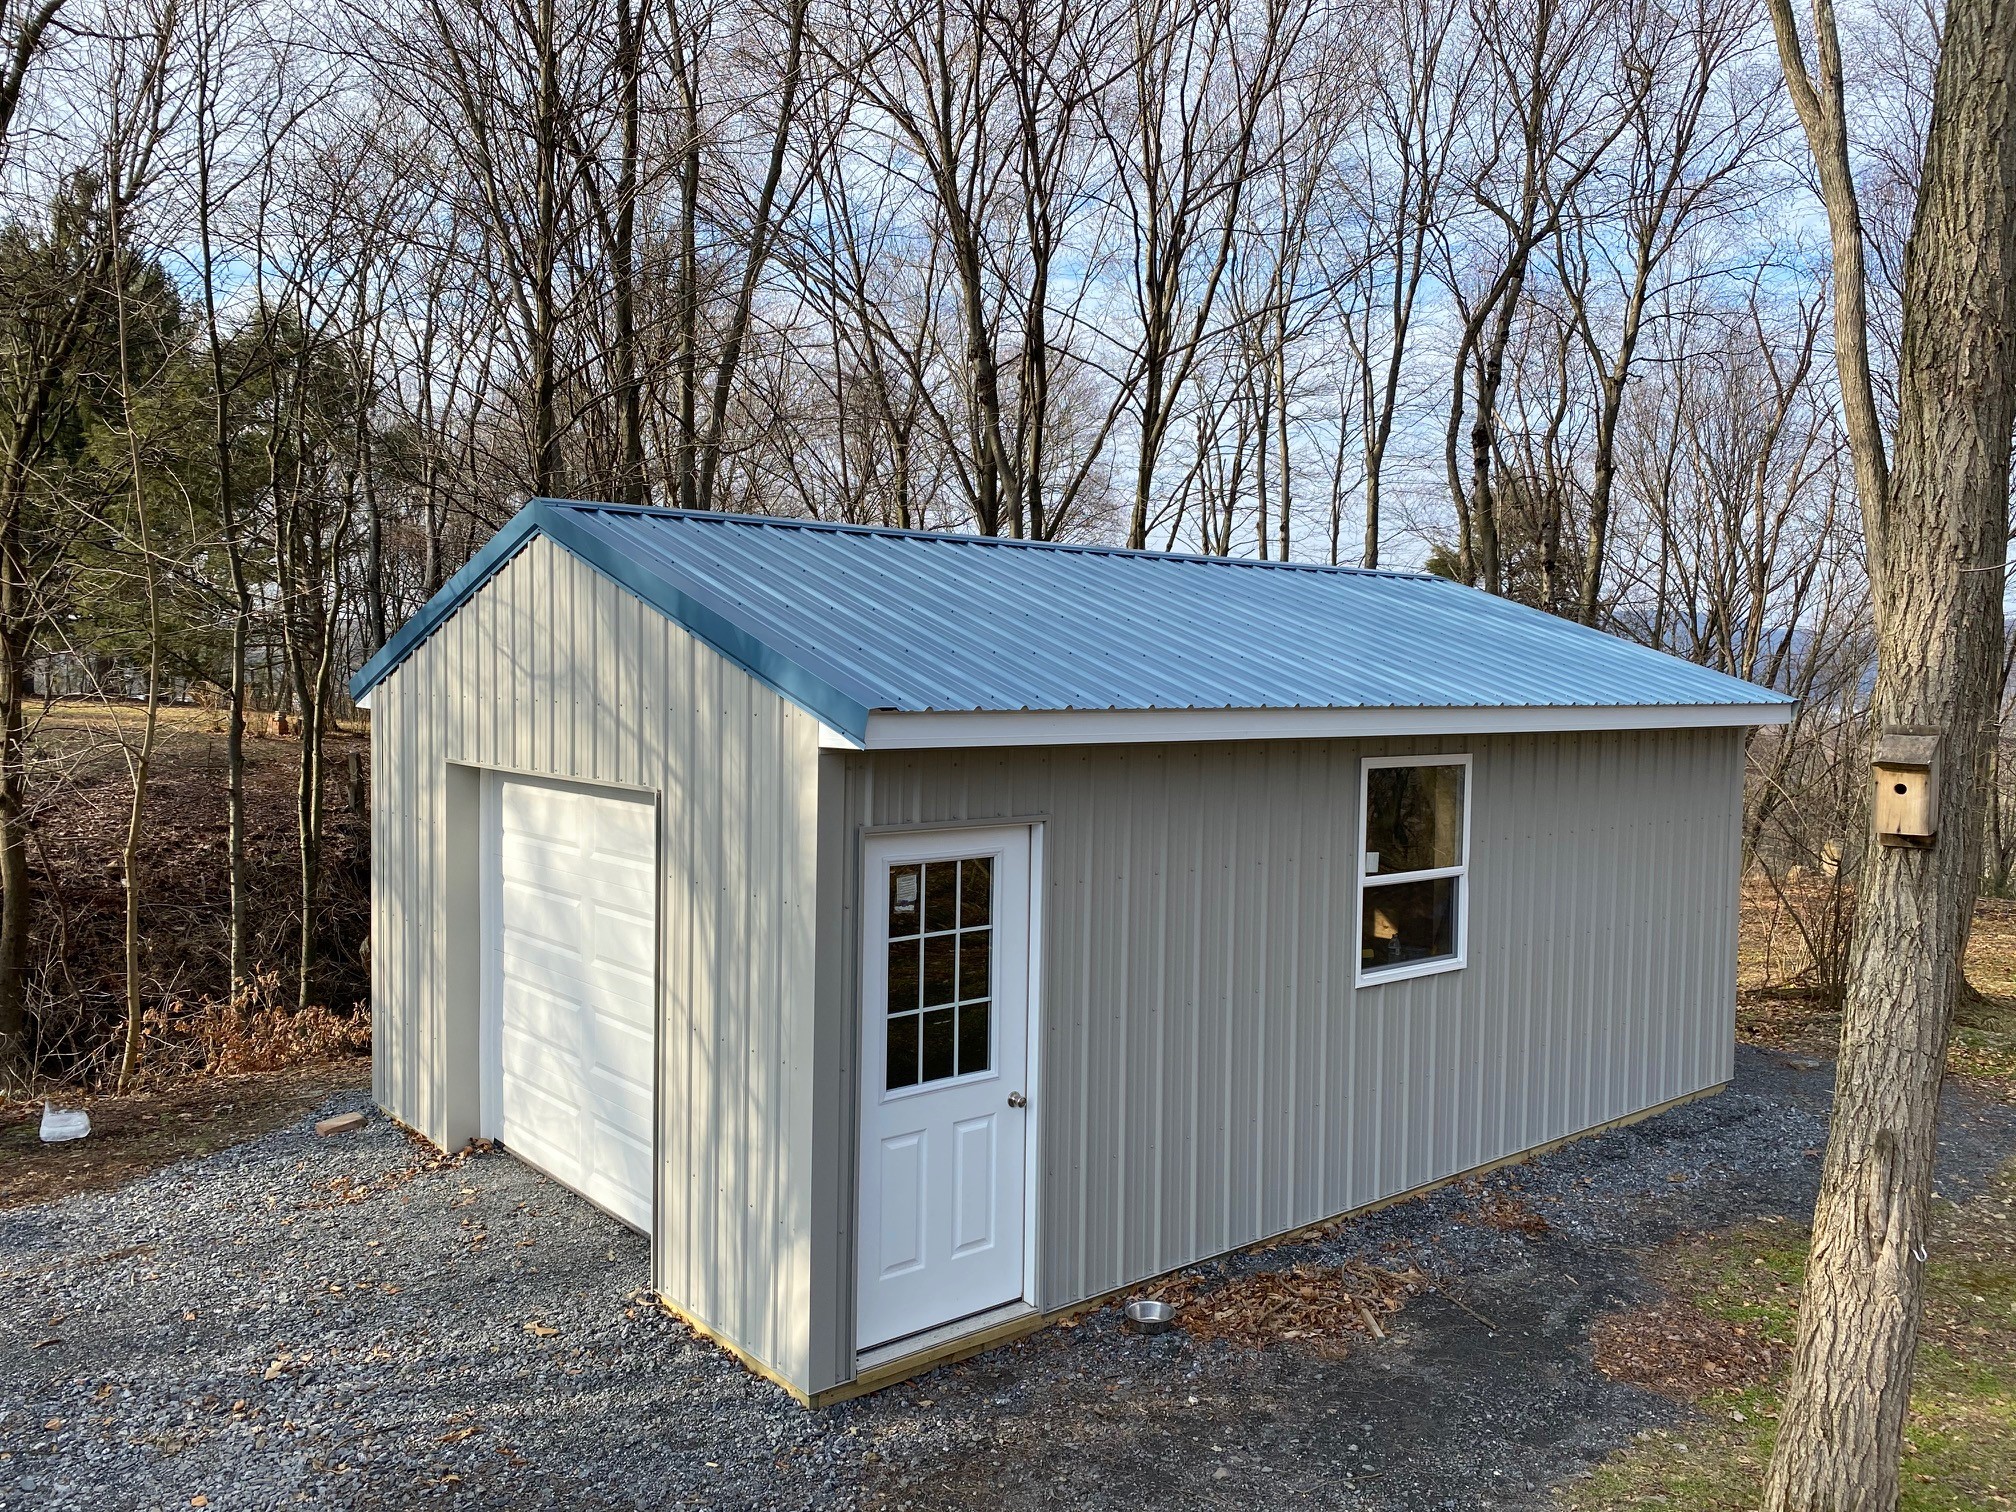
831 739
890 731
364 702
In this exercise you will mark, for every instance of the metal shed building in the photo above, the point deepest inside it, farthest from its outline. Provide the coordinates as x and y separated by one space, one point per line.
918 936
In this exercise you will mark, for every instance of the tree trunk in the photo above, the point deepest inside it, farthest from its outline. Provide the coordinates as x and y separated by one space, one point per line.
241 600
1282 525
629 401
1604 473
1484 432
234 796
546 256
143 761
14 893
308 816
762 231
686 361
1937 542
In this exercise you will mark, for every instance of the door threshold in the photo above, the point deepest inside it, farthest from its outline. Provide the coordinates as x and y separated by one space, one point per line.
928 1340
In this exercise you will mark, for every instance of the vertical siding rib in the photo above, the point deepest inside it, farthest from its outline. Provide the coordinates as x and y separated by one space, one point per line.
1212 1076
554 670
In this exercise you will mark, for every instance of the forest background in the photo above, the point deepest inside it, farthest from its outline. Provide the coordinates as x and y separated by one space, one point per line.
298 303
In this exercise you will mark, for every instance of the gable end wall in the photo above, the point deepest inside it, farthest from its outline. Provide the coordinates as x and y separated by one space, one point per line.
553 670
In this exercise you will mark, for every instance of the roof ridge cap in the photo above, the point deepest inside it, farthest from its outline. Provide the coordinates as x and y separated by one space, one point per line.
962 538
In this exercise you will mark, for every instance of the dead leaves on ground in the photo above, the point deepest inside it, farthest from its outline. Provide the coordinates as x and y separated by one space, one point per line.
1677 1349
427 1161
1320 1308
1509 1213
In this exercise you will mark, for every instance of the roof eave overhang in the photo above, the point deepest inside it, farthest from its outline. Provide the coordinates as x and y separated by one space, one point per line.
925 731
849 722
837 707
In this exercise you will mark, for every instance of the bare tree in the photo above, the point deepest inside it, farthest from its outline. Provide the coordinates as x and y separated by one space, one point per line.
1692 130
1559 94
140 754
1187 129
1402 150
1936 530
24 32
70 273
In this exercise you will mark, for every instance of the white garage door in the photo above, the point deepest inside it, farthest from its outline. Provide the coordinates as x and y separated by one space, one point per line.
572 900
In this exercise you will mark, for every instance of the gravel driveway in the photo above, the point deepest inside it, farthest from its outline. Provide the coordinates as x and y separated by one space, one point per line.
347 1323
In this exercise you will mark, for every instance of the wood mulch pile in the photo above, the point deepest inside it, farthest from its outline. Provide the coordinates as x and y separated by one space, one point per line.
1320 1308
1679 1350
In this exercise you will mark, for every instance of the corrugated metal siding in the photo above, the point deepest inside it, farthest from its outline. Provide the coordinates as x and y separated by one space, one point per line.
1210 1076
554 670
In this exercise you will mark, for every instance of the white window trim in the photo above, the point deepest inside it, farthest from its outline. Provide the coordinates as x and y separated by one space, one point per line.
1379 977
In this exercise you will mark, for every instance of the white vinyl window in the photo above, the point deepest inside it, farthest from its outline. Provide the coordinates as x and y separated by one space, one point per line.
1413 865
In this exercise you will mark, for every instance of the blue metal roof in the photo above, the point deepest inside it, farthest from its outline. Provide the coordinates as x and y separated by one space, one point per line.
845 620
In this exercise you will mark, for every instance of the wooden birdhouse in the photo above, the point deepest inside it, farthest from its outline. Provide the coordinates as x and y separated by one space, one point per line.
1906 768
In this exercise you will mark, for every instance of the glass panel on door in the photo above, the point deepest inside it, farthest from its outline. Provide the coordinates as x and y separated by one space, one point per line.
941 977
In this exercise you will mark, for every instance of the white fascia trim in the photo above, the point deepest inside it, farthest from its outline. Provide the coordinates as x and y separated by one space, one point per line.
888 731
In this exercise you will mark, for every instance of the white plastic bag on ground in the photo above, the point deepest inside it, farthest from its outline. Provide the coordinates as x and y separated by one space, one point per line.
59 1124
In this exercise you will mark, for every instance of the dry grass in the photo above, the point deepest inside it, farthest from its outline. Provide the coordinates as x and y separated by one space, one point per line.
1743 1284
1776 1006
1774 1011
1983 1049
80 792
144 1131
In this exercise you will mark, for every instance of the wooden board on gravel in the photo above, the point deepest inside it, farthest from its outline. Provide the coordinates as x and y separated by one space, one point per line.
133 1135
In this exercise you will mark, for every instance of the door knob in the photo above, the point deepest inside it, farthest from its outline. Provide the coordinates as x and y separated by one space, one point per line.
1017 1100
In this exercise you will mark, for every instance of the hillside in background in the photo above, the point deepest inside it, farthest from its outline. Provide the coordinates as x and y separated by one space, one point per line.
81 800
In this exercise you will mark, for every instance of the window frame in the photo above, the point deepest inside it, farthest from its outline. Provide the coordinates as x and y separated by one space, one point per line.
1379 976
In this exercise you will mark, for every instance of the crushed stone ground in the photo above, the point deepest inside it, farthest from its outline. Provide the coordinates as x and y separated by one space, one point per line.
304 1322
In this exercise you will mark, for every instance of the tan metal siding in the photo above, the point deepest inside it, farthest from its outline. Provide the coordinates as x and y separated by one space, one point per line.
552 669
1210 1075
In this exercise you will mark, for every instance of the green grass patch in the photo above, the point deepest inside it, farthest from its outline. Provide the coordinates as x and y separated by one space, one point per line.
1960 1453
1713 1464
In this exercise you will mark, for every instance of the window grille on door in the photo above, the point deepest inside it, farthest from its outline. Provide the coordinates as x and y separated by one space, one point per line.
941 969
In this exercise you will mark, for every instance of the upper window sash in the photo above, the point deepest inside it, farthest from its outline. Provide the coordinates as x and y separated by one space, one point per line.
1385 873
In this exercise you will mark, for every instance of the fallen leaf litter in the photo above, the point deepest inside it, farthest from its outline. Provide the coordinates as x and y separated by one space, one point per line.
1321 1308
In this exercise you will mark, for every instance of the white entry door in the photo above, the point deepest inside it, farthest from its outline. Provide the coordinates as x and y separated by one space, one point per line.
571 924
945 1054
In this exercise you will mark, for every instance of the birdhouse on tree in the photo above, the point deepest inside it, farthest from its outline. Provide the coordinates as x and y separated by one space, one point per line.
1906 767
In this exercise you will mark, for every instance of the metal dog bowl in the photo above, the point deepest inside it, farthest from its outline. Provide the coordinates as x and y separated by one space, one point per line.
1145 1316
